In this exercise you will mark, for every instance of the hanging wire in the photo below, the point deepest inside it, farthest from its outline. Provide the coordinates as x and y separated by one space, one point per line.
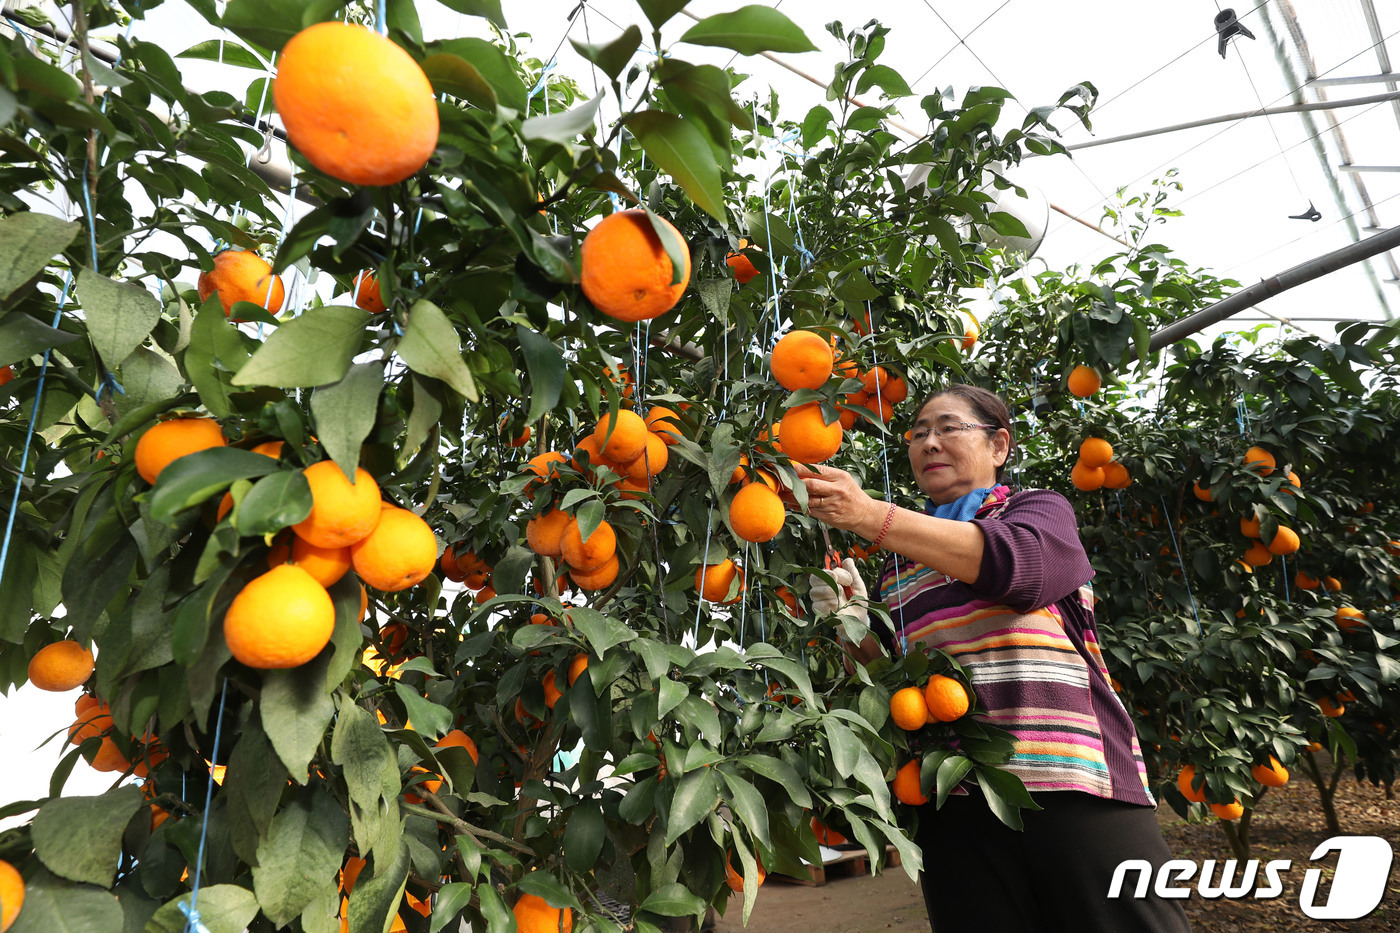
1181 562
885 458
962 41
191 910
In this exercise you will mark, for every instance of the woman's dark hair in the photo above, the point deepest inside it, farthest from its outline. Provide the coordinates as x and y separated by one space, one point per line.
986 406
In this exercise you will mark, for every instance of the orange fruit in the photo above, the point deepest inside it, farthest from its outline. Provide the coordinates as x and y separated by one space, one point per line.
1116 476
826 835
544 531
1249 527
366 292
1183 784
1228 811
342 512
271 449
736 880
533 915
623 438
400 552
109 757
168 441
551 692
908 708
1330 707
600 578
326 564
1332 584
1258 555
542 465
588 555
626 271
61 666
458 739
590 446
756 513
1272 774
242 275
355 104
946 698
281 619
895 390
801 360
650 462
1259 460
906 785
1086 478
785 596
6 374
1095 452
523 438
526 718
577 666
807 437
1305 582
93 719
743 267
664 423
873 380
449 566
970 335
1285 541
1346 618
1201 492
1293 485
1084 381
714 581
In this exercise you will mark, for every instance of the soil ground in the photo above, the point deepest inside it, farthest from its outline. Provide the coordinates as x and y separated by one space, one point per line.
1288 825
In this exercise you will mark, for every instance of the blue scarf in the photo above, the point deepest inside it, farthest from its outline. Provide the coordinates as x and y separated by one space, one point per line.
963 509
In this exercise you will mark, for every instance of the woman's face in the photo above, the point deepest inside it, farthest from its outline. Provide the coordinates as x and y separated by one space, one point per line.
961 460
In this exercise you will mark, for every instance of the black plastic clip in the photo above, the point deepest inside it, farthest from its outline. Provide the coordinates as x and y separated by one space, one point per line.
1311 213
1227 27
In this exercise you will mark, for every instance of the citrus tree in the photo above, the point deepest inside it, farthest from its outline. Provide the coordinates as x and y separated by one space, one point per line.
302 480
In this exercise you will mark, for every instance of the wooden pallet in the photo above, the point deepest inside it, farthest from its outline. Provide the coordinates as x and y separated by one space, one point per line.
841 863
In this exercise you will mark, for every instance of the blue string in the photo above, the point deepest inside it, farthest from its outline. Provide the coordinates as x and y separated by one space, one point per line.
1181 563
109 384
381 19
192 913
29 434
1283 566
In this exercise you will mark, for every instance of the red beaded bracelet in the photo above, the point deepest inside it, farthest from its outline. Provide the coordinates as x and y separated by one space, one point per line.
885 528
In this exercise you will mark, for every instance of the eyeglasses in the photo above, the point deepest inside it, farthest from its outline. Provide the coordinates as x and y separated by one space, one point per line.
946 430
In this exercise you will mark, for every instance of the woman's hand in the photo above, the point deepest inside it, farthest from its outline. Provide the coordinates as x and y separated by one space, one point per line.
835 498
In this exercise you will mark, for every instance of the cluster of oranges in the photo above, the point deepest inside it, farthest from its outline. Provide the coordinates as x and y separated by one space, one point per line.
461 565
942 699
94 721
1096 468
1272 774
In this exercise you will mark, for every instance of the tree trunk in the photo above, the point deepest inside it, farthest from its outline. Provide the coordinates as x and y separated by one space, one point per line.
1326 791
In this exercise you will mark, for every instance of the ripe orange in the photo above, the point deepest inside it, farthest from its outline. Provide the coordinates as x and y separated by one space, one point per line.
588 555
1285 541
1293 485
366 292
946 699
826 835
873 381
1347 618
908 708
1084 381
523 438
242 275
1116 476
355 104
1183 784
400 552
543 465
533 915
1095 452
714 581
551 692
1086 478
806 435
1258 555
664 423
651 461
544 531
6 374
970 335
458 739
1331 707
1305 582
895 390
756 513
1201 492
326 564
736 880
626 271
577 666
743 267
1228 811
1332 584
61 666
1249 527
801 360
600 578
281 619
1272 774
342 513
906 785
109 757
11 894
168 441
93 719
1259 460
449 566
623 438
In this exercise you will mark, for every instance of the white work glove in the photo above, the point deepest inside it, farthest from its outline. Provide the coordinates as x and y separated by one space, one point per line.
829 600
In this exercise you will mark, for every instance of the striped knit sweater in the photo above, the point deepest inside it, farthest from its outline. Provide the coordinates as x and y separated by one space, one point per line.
1025 633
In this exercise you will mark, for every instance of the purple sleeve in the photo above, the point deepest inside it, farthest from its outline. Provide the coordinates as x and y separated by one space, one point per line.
1033 556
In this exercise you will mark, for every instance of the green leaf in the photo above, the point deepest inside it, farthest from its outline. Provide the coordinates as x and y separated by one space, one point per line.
301 854
888 80
428 718
274 503
563 128
28 240
544 885
544 363
451 900
950 774
602 632
748 804
493 65
845 747
673 900
226 52
614 56
670 693
584 835
499 919
214 354
1005 794
306 351
779 771
119 315
452 74
254 783
193 478
22 337
750 30
680 149
659 12
430 347
267 23
373 901
948 239
345 413
52 905
147 377
296 709
80 838
696 797
487 9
